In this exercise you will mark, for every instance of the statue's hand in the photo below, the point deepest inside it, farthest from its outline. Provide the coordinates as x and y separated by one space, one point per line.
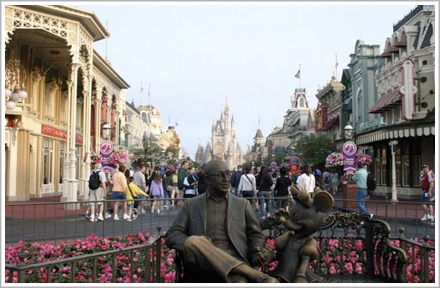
263 256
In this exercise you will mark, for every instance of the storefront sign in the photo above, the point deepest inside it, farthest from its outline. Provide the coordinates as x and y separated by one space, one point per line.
106 151
58 133
349 149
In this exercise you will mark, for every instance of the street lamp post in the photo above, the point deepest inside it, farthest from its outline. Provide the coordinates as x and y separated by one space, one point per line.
393 171
106 128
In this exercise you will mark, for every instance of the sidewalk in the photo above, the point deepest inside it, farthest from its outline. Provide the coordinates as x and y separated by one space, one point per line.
379 206
40 211
405 209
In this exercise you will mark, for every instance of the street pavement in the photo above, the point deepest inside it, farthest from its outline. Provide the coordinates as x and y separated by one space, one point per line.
51 223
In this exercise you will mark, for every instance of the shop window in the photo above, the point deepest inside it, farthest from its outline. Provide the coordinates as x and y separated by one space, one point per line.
406 170
47 162
417 163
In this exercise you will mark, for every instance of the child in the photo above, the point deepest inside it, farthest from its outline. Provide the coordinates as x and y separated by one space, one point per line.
132 191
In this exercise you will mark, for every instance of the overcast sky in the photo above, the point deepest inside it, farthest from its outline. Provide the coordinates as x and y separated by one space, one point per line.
195 55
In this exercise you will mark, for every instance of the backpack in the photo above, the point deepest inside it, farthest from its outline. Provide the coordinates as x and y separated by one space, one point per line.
94 181
371 182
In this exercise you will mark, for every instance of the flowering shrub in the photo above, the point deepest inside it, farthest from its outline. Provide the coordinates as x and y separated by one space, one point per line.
335 159
95 157
119 158
38 252
338 256
364 159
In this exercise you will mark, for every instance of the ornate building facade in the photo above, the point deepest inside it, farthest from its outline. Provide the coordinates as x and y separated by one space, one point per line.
72 92
298 121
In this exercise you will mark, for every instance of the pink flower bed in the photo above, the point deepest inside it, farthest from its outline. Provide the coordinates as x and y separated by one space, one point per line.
332 262
40 252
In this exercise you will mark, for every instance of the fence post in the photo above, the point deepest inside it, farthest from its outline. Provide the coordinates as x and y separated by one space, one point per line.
425 259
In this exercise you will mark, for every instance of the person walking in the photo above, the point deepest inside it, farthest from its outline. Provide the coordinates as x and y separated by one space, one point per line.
360 177
139 180
281 189
173 191
235 179
132 191
181 175
248 187
335 181
306 182
264 184
326 179
119 185
427 183
98 194
156 192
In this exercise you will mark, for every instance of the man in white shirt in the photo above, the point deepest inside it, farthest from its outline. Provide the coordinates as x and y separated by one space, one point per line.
306 182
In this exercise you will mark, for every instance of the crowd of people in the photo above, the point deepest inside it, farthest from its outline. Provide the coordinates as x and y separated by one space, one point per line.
266 188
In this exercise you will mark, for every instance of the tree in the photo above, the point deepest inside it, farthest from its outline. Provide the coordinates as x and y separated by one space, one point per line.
150 152
313 149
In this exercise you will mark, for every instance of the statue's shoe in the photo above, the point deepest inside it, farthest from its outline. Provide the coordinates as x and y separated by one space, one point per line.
264 278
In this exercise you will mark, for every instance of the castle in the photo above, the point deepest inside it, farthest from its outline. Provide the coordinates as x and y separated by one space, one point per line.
224 144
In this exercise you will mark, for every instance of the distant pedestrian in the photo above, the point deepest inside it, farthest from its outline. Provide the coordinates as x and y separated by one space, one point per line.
171 189
306 182
360 177
139 180
326 180
181 175
318 175
427 183
335 181
248 187
281 189
98 194
156 192
235 179
190 183
264 184
132 191
119 185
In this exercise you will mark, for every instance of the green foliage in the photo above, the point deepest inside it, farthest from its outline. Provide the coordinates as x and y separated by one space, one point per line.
149 152
313 149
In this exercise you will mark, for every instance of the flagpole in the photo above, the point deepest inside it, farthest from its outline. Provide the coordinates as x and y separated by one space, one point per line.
149 97
142 89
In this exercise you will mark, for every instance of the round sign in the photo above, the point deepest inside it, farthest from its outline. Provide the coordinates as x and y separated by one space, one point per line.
349 148
106 147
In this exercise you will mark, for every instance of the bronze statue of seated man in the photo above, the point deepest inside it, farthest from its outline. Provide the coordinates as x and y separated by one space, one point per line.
219 234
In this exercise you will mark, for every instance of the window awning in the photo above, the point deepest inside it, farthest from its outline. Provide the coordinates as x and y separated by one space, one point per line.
386 101
333 122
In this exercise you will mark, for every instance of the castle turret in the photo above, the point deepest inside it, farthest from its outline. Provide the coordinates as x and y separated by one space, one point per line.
208 152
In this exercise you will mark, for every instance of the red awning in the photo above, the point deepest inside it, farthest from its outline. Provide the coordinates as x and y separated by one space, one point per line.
333 122
386 101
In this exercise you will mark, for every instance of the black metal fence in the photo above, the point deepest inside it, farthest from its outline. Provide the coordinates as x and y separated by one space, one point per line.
51 222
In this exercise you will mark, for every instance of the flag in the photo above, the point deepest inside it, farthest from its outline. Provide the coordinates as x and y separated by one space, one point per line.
298 74
336 64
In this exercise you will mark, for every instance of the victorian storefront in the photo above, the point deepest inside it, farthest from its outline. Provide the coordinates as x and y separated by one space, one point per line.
59 92
406 87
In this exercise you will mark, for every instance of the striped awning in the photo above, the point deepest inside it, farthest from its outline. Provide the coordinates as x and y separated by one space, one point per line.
386 101
395 134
